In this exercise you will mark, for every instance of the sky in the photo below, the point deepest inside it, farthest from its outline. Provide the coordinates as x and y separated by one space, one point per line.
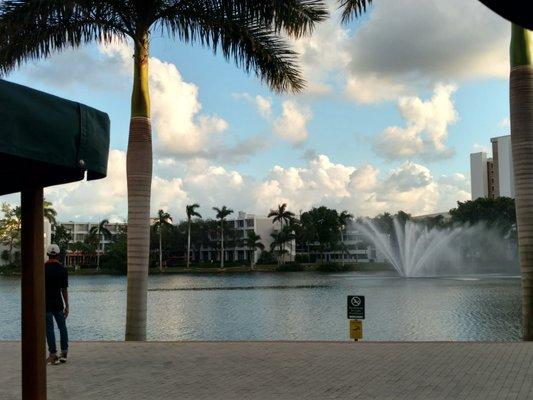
395 102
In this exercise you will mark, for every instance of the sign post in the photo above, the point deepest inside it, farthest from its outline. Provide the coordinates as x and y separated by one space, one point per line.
356 313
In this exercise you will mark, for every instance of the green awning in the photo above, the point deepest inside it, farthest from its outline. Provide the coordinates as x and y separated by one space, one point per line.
46 140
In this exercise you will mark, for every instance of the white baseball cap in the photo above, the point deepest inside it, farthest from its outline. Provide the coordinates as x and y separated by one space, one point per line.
53 250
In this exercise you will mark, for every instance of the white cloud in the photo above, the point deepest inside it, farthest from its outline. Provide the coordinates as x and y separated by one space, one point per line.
426 127
409 44
179 126
291 125
324 54
363 190
264 106
476 148
505 123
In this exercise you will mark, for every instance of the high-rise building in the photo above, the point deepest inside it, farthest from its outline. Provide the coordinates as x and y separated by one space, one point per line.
493 177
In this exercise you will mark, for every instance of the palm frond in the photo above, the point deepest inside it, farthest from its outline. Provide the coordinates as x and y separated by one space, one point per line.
248 32
32 29
353 9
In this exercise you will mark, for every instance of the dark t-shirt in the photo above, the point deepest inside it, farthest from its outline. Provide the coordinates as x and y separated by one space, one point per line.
55 279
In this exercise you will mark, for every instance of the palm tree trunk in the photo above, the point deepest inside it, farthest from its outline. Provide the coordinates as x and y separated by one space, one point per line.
139 178
521 102
252 256
98 253
188 243
160 249
221 245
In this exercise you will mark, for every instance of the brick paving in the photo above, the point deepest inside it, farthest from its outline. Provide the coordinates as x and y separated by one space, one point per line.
282 370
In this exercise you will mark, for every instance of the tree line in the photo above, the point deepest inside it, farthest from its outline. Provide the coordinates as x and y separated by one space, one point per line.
319 230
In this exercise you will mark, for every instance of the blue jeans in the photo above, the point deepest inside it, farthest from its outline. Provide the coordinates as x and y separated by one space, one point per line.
50 334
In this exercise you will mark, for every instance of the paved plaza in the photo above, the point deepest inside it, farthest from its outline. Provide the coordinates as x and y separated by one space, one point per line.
282 370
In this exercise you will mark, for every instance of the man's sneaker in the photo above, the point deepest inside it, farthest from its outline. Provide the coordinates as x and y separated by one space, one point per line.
52 359
63 358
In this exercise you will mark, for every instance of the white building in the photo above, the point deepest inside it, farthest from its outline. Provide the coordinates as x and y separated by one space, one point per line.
353 247
493 177
243 224
80 230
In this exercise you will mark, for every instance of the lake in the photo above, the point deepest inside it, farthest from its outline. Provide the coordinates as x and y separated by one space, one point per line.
289 306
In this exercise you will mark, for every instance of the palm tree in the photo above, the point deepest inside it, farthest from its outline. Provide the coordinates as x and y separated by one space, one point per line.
344 218
353 8
163 219
279 239
521 102
222 213
251 32
49 212
253 242
281 214
100 231
191 212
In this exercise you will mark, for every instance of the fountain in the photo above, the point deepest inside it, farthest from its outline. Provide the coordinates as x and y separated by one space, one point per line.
415 250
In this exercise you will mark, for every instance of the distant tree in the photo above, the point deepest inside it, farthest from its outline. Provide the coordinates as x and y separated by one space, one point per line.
162 220
62 237
49 212
101 232
191 212
281 215
10 229
325 222
498 213
115 258
279 238
253 242
344 218
221 214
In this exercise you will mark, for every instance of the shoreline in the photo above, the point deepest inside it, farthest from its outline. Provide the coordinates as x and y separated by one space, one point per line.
325 268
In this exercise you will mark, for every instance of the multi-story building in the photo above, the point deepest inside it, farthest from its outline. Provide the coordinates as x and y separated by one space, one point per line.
80 230
236 250
493 177
353 247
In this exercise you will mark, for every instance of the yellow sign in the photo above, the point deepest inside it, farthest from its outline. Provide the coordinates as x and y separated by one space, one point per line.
356 329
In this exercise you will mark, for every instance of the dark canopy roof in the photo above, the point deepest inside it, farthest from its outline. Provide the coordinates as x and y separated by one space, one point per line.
516 11
46 140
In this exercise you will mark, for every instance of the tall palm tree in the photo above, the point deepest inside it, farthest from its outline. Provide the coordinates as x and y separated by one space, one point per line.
521 103
344 218
191 212
163 219
251 32
222 213
49 212
281 215
279 238
253 242
101 232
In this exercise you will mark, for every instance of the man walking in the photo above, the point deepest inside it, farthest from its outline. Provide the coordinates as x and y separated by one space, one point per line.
56 286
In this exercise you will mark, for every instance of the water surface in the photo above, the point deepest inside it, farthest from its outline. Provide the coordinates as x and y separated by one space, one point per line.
288 306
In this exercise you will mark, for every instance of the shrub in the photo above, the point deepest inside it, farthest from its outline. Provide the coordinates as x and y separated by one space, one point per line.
266 258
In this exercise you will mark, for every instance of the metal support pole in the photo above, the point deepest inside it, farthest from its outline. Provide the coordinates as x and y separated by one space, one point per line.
32 296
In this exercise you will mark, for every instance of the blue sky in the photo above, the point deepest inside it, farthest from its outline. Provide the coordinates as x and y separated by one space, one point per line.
387 123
